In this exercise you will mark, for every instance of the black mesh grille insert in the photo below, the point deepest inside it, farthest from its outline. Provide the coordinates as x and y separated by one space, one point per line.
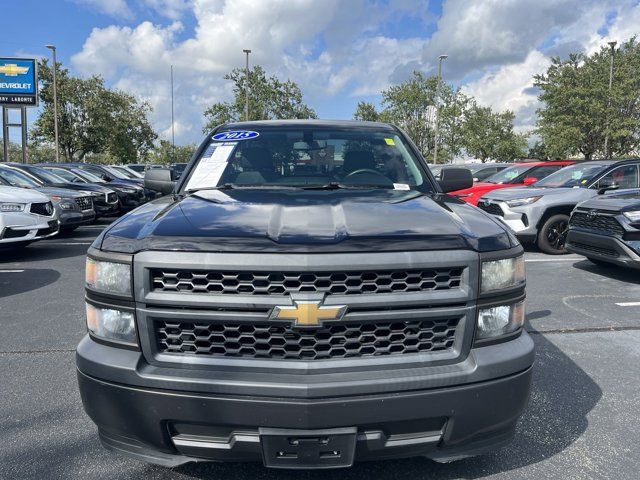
85 203
338 340
284 283
44 209
608 252
596 221
491 208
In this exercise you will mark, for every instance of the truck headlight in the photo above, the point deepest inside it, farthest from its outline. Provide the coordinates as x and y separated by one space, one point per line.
498 321
12 207
519 202
634 215
501 274
110 324
108 277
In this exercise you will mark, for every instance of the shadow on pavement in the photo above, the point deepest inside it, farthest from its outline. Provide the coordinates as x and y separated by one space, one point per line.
562 396
42 251
613 272
13 283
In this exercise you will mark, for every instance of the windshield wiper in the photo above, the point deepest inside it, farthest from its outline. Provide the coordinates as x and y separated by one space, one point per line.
235 186
341 186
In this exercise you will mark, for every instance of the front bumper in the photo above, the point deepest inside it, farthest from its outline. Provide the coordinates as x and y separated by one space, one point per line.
522 220
606 248
71 218
171 416
106 209
26 227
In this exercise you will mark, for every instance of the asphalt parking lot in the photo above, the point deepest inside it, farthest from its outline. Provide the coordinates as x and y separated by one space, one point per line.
583 421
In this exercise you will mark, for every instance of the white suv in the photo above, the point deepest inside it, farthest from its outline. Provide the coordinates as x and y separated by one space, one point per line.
25 216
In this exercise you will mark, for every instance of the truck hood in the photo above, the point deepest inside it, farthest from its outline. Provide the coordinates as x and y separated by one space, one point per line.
614 202
21 195
305 221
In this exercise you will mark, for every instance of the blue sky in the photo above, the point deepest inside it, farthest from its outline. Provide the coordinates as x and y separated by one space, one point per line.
338 51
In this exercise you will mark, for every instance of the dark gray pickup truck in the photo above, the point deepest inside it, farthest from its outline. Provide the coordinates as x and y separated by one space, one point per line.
305 296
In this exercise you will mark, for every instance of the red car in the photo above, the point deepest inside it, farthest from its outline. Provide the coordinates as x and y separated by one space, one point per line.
521 174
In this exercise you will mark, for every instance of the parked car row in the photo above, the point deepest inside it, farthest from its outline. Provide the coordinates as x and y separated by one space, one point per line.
571 209
37 201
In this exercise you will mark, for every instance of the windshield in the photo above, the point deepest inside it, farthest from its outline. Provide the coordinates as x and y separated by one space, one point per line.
577 175
46 177
87 176
508 174
17 179
124 172
308 157
115 172
65 174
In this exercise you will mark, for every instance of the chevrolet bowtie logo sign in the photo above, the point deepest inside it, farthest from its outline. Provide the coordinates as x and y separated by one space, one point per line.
13 70
308 314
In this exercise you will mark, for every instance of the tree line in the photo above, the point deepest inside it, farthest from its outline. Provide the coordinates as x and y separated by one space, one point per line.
578 114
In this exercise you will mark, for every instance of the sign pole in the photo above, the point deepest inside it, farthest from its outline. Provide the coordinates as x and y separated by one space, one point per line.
23 121
5 134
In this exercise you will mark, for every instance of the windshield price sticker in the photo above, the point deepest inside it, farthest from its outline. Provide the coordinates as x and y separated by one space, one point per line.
235 135
211 166
401 186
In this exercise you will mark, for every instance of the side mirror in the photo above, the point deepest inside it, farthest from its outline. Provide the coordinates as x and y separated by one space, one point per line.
106 177
159 180
452 179
606 185
530 180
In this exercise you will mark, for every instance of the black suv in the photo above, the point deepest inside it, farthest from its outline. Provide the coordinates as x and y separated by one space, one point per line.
606 229
307 296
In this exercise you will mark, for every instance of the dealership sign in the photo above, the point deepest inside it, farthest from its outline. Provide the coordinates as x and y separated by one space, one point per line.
18 82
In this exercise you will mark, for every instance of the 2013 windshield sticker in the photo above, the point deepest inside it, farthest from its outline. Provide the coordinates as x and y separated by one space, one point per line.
235 135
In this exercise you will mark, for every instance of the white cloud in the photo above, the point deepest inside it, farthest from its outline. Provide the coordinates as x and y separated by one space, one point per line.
114 8
337 50
284 37
510 87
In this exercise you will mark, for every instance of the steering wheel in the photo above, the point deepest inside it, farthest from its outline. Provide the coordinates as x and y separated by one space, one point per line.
365 170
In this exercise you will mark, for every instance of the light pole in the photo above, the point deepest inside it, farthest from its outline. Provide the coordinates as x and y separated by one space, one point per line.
246 86
606 137
55 100
173 132
435 143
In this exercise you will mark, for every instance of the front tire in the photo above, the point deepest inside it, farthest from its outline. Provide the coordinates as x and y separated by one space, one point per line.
553 235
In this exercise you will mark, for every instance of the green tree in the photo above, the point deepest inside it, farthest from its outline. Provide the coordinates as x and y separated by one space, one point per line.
367 112
92 119
164 154
488 135
578 110
269 98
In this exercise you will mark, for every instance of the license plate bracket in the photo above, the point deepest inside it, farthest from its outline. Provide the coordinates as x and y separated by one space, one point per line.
308 449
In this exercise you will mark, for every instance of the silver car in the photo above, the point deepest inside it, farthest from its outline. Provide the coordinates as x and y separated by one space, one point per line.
540 213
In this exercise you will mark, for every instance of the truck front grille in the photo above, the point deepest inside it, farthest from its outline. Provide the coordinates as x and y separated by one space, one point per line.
339 340
285 283
598 221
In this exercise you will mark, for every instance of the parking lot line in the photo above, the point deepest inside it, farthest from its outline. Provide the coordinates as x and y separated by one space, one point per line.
628 304
68 243
11 271
564 259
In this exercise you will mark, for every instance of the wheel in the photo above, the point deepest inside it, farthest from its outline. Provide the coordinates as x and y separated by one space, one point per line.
553 235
